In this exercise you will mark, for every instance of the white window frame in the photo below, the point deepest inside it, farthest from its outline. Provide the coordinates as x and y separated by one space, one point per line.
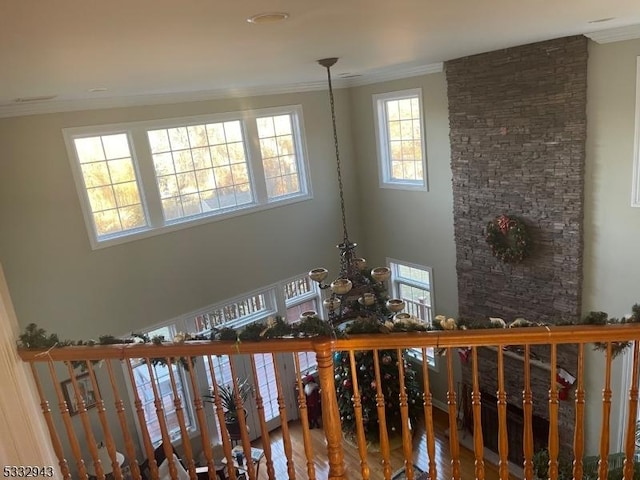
313 294
187 404
393 263
145 174
382 140
635 186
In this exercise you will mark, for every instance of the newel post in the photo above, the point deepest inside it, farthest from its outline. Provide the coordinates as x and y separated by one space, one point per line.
330 412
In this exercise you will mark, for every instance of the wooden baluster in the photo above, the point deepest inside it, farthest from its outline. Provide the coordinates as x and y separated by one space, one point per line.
55 439
407 445
226 441
503 440
631 420
527 408
110 444
284 424
264 430
242 421
202 422
142 422
357 407
122 418
68 425
177 401
157 401
382 420
603 463
553 415
454 447
428 417
578 436
476 402
86 423
330 411
306 434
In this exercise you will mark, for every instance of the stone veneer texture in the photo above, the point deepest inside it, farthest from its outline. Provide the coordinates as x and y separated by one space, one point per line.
517 131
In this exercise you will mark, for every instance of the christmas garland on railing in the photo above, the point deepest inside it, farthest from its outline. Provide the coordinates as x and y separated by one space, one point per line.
509 239
593 318
37 338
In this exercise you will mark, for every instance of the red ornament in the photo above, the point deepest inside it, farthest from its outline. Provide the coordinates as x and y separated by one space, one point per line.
346 383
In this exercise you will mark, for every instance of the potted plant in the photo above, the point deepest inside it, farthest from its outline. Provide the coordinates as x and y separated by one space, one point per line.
227 397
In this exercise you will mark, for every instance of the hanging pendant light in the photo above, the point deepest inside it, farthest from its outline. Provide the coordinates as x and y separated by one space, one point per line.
357 293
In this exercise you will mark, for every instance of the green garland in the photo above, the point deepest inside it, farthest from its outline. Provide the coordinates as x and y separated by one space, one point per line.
602 318
36 338
509 239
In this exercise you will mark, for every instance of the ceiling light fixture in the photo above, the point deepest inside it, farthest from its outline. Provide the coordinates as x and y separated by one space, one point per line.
271 17
98 89
358 293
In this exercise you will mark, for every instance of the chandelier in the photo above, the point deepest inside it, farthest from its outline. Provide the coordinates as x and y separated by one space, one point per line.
358 293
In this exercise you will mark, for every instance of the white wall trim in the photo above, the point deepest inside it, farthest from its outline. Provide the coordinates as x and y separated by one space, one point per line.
635 186
615 34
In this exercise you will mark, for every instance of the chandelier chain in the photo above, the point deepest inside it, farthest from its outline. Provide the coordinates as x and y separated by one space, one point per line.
335 142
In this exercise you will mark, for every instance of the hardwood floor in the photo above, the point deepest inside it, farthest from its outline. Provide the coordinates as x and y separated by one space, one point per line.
352 459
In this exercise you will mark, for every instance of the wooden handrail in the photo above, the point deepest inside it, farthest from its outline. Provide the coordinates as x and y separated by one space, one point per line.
325 347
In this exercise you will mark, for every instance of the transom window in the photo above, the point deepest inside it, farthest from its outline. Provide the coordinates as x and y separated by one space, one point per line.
139 179
412 283
400 135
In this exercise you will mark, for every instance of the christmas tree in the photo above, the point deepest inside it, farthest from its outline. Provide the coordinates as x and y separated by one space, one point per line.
390 386
366 308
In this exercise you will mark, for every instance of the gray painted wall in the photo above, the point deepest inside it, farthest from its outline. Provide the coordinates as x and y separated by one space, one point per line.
611 226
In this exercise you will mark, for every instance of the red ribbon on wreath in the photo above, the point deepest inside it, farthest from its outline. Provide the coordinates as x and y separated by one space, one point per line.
504 224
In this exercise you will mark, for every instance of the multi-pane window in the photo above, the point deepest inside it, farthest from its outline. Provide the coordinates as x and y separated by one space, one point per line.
301 295
400 135
152 380
194 170
413 284
279 156
110 184
236 313
200 168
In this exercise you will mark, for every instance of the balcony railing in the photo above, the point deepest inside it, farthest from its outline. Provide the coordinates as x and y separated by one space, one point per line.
119 422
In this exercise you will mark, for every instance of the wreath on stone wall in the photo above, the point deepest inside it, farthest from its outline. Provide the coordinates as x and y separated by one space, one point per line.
509 239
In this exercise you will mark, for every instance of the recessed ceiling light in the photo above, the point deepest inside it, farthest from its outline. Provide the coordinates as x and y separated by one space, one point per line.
98 89
40 98
602 20
271 17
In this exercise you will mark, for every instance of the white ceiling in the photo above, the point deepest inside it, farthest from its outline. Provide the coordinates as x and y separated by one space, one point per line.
142 51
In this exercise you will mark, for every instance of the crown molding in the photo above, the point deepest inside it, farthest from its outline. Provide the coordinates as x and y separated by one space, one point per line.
395 73
71 105
630 32
56 106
